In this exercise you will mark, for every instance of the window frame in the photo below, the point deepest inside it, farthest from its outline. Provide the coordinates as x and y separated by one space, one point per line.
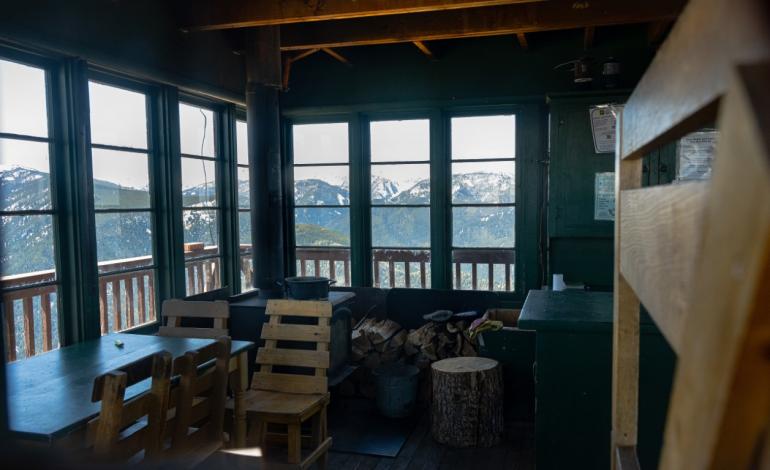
353 205
240 116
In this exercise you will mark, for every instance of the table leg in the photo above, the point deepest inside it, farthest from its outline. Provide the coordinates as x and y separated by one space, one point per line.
239 379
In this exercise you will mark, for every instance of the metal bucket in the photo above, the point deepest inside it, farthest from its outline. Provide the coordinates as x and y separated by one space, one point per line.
396 389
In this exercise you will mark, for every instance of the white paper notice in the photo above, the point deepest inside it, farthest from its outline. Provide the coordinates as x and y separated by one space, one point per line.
603 128
604 196
695 153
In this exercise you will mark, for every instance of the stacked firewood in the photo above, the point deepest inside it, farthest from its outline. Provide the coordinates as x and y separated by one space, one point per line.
377 342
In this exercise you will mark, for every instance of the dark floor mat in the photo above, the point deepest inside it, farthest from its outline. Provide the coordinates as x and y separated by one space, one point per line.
357 427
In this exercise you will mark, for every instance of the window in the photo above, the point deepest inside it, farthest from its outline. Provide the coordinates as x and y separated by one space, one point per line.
322 200
201 212
483 202
400 202
120 157
244 207
28 274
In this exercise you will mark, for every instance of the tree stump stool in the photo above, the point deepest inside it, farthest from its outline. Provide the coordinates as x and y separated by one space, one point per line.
467 402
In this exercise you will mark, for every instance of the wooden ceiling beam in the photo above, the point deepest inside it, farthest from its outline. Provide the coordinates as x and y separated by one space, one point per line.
208 15
476 22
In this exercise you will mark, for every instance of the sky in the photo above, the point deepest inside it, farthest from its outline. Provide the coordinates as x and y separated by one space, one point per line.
119 118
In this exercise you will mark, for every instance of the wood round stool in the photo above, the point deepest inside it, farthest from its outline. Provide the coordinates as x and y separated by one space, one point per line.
467 402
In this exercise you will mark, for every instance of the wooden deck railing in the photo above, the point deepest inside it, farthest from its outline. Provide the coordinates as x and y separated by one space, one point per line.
307 257
414 261
480 256
126 299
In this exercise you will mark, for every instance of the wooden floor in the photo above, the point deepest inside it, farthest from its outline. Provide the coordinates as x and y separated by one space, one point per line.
517 451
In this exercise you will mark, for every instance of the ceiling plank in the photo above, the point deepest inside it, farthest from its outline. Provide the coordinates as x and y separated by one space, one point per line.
425 50
207 15
476 22
523 41
337 56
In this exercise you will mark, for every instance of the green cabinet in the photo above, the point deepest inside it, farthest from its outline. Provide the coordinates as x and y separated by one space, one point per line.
573 380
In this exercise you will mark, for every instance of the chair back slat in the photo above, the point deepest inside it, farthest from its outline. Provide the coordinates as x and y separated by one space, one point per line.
295 355
176 310
200 403
121 432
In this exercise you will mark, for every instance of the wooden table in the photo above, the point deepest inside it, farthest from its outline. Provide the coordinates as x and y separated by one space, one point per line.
49 396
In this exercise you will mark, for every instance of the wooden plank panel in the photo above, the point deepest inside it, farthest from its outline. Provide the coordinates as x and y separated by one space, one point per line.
196 309
690 72
625 322
289 383
299 308
720 403
659 233
293 357
475 22
226 14
29 326
45 313
10 330
140 299
295 333
188 332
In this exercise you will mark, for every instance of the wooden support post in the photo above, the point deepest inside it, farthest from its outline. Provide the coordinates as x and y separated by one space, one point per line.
625 313
264 79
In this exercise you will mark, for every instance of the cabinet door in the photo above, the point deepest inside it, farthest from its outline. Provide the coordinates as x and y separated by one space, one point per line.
573 168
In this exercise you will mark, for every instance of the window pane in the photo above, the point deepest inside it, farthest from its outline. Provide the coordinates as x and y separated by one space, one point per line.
393 141
321 186
120 236
127 300
483 182
121 180
201 236
198 182
244 229
118 116
484 137
401 268
401 227
401 184
483 227
25 180
244 192
318 226
27 245
333 263
241 138
320 143
196 129
22 100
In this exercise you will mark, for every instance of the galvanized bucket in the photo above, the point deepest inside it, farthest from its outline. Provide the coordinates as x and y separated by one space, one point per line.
396 389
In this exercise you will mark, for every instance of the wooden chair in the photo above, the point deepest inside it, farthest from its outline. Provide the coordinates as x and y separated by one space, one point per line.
130 430
197 404
174 310
290 387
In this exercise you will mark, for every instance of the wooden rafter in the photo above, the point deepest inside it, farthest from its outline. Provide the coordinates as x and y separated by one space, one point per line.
337 56
522 40
289 60
656 30
206 15
425 50
476 22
